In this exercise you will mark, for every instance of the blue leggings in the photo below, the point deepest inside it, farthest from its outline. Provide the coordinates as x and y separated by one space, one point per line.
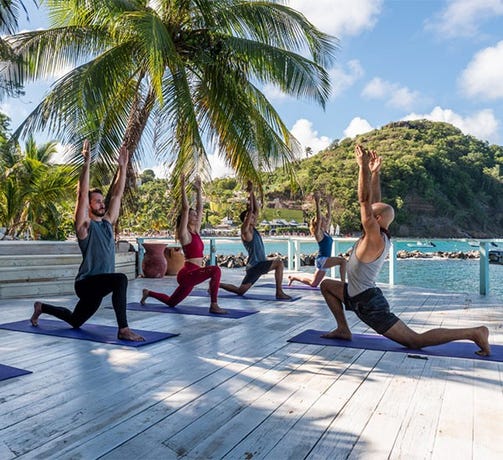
90 292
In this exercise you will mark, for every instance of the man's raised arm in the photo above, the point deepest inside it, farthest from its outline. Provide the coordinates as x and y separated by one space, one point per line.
375 181
118 186
251 211
81 216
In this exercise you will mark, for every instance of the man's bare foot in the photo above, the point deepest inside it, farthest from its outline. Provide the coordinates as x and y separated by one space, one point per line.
290 280
282 296
214 308
481 338
343 334
127 334
37 311
145 296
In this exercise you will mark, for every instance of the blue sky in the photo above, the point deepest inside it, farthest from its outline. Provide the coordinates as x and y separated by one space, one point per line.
397 59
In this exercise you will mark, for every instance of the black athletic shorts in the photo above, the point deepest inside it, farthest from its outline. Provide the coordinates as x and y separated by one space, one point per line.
372 308
255 272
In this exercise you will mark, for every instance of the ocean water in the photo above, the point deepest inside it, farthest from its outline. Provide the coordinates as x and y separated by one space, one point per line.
454 275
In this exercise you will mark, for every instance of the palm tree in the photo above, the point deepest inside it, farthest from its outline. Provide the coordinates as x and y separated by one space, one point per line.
179 75
9 12
33 192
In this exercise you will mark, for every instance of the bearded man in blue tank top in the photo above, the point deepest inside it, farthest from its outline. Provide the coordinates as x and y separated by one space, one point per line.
258 263
96 278
360 293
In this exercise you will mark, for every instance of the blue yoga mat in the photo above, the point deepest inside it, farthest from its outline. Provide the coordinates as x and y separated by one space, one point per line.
189 310
380 343
93 332
230 295
303 287
7 372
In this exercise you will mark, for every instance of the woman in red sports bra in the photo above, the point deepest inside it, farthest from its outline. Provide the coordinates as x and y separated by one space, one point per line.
188 225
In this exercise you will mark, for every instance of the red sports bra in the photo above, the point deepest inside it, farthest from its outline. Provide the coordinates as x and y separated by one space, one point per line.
194 250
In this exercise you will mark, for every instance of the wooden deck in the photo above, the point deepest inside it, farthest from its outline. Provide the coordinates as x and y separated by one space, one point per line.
236 389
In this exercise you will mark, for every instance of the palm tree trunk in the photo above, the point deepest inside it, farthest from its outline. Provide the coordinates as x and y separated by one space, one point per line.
137 121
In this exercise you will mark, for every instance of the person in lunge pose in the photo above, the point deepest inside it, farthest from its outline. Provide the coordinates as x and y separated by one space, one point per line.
96 278
324 259
258 263
193 272
360 294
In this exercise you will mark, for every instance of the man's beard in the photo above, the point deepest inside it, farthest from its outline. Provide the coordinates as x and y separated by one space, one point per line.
98 212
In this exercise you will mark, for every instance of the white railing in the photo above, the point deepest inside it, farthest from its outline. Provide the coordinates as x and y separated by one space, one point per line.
294 253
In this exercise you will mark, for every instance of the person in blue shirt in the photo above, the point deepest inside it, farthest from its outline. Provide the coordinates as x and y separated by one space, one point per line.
324 259
96 277
258 264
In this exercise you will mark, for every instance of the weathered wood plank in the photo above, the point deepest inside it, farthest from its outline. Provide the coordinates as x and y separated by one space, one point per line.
236 388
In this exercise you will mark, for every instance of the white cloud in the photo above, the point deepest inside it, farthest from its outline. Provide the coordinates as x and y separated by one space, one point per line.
16 111
397 96
462 18
218 167
161 171
308 137
483 77
340 17
357 126
483 124
60 157
273 93
344 77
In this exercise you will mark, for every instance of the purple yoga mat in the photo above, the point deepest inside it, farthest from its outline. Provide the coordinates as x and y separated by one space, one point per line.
303 287
380 343
92 332
247 296
7 372
189 310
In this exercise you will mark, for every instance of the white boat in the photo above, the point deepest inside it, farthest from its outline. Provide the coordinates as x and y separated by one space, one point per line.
422 244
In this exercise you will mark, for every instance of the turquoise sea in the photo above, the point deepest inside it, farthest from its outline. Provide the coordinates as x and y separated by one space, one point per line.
450 274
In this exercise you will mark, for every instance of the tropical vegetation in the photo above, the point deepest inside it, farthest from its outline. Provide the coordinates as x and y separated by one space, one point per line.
442 183
35 195
176 77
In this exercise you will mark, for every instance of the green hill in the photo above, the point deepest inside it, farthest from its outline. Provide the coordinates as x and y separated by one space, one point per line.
441 182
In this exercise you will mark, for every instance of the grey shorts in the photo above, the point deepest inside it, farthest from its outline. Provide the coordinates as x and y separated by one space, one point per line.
319 262
372 308
255 272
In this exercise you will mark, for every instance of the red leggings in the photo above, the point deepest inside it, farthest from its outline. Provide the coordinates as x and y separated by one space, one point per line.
189 276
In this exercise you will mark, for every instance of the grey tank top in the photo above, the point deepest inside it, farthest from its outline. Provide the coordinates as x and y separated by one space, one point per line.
362 276
255 248
98 250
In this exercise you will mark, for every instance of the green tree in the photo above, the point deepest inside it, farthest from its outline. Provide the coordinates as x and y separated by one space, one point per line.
182 73
147 176
34 194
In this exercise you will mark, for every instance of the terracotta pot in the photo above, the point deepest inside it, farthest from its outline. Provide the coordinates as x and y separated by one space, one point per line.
175 258
154 263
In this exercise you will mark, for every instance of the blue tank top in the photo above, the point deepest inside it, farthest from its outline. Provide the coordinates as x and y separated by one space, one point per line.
325 246
255 248
98 250
362 276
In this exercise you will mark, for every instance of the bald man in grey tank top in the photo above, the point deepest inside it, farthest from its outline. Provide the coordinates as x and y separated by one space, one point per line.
360 294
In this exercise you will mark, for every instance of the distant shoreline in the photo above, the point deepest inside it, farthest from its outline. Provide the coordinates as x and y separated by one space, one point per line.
239 260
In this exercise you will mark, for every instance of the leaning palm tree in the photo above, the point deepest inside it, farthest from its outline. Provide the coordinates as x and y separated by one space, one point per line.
179 76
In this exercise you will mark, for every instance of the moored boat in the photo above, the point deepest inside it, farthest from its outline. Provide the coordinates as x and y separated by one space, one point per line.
496 257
